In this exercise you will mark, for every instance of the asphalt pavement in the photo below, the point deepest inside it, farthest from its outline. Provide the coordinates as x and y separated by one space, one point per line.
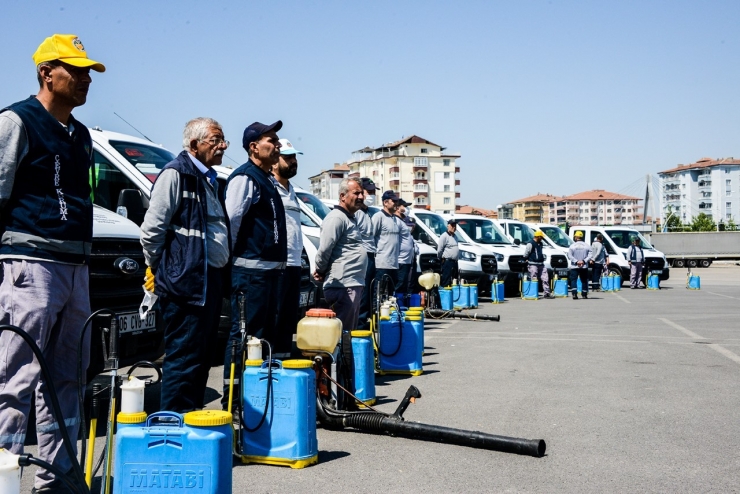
633 391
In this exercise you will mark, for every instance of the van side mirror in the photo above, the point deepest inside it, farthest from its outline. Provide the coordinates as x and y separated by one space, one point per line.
132 204
517 241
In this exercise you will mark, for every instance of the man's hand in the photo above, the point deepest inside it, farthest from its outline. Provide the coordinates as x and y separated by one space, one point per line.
149 280
580 264
317 276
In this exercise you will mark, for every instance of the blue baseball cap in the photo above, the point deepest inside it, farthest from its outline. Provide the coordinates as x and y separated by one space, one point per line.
389 194
257 130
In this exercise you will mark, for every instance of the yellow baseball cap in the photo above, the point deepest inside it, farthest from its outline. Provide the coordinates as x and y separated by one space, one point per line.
66 48
539 233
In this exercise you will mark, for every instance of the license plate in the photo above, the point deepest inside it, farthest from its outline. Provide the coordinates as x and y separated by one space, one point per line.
562 272
130 322
303 301
656 271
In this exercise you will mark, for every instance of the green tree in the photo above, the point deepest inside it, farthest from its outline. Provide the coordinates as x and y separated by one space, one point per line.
703 223
731 225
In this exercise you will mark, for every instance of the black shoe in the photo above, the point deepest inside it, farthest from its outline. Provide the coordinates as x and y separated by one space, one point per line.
585 294
575 296
549 295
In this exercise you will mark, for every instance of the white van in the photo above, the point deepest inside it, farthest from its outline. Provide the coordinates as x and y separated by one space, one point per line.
474 262
484 232
556 259
116 275
617 240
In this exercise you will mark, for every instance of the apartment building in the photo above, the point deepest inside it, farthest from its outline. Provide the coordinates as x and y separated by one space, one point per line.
325 184
595 207
420 171
710 186
532 209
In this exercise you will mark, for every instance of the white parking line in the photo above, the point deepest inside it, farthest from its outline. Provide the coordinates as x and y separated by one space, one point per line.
681 328
623 299
720 295
717 348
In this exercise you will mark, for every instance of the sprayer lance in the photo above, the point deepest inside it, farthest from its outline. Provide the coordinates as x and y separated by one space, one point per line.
455 314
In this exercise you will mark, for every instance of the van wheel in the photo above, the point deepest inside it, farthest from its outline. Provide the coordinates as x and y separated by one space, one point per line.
705 263
691 263
678 263
616 272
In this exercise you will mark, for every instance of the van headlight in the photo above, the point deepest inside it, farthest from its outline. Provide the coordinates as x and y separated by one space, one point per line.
467 256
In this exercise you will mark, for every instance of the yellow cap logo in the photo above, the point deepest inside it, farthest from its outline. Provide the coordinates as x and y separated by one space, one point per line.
78 44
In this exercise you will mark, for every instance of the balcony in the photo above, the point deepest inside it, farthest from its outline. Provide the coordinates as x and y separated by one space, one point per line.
704 184
421 187
457 182
395 175
394 169
354 175
457 169
394 183
457 195
420 193
419 181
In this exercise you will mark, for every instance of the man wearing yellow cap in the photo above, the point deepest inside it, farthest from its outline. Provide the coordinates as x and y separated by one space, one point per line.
536 262
46 227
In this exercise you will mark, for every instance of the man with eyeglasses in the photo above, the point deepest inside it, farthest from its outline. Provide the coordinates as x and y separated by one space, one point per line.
186 248
46 224
258 239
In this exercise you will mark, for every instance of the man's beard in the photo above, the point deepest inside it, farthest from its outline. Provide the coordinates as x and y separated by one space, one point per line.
288 172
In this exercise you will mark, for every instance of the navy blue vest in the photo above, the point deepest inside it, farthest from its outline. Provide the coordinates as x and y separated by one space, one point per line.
183 269
49 214
535 254
262 235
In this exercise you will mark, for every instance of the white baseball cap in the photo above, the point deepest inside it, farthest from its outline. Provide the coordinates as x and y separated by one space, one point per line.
287 148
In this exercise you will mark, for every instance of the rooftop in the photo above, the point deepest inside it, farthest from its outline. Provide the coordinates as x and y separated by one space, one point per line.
598 195
704 163
488 213
412 139
537 198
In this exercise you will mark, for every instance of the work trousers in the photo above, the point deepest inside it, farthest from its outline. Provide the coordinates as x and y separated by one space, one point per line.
573 276
403 285
635 274
383 275
449 271
596 271
288 310
366 304
50 302
260 289
345 302
539 271
190 333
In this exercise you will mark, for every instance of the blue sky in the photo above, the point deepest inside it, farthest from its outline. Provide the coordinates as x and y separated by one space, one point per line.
537 96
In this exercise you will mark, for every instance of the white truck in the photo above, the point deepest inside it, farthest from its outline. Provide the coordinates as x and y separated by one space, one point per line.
482 231
692 249
617 240
475 263
556 258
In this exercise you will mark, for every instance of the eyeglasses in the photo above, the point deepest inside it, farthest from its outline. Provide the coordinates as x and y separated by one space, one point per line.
215 141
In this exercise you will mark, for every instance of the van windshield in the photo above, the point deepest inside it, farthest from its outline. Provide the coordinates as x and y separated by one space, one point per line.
557 235
314 204
521 232
149 160
483 231
435 223
624 238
